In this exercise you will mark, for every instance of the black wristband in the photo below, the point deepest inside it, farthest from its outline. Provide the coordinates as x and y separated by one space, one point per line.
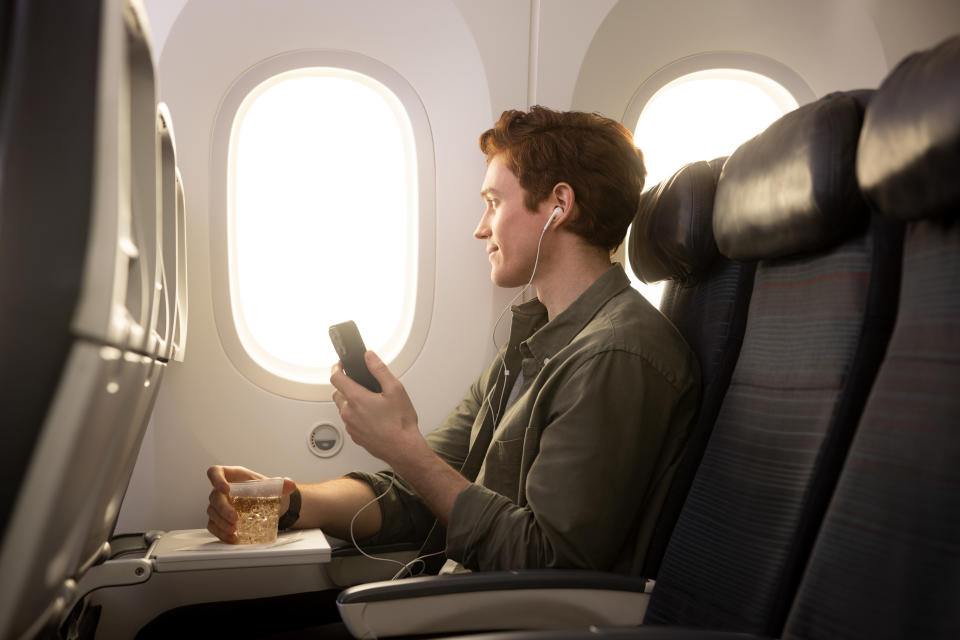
292 514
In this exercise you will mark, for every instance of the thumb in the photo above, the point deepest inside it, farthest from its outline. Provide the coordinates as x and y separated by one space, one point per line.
288 486
218 479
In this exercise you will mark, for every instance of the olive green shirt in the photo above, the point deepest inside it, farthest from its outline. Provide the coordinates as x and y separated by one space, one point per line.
575 470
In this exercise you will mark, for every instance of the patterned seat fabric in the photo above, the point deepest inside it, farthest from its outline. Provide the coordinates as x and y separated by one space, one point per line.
823 301
706 298
887 561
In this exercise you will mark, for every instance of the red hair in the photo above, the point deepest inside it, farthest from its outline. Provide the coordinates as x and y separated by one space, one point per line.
593 154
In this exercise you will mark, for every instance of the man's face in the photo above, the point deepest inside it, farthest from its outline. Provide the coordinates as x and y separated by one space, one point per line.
510 229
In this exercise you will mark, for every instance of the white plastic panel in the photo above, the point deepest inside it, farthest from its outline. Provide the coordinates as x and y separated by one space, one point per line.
115 304
515 609
167 254
139 385
182 300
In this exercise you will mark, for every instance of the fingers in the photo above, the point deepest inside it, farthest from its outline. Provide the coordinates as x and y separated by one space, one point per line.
222 517
218 479
221 476
379 370
339 399
344 383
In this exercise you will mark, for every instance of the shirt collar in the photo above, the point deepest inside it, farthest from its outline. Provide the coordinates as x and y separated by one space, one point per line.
549 338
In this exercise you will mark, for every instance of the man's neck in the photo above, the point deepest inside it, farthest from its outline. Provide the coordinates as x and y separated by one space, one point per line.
570 273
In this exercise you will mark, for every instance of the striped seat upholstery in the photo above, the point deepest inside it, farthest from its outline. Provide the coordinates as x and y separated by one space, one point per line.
887 561
706 298
820 314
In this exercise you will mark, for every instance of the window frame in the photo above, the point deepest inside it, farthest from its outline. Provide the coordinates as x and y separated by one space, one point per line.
425 223
752 62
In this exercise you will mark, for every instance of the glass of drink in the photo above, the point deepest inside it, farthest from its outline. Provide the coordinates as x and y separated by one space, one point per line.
257 503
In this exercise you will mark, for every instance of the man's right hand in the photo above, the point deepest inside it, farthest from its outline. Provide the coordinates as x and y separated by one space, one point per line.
222 517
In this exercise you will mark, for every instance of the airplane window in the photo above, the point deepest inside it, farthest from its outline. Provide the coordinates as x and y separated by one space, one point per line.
701 116
322 219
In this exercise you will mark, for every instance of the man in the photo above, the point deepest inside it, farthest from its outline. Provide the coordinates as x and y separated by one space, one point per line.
562 451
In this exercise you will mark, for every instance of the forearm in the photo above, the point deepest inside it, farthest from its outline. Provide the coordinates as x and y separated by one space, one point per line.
331 505
436 482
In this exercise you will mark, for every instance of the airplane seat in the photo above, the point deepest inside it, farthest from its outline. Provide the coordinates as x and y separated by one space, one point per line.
126 443
45 193
823 301
6 15
887 561
705 296
77 232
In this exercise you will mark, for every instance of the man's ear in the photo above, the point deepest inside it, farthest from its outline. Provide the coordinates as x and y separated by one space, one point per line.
564 197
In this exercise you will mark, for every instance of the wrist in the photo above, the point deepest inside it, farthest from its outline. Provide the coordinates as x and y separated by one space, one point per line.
411 456
292 513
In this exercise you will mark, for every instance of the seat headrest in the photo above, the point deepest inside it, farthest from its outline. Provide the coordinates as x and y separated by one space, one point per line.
793 188
672 233
909 158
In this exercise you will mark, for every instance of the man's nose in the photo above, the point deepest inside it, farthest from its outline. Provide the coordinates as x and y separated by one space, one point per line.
482 232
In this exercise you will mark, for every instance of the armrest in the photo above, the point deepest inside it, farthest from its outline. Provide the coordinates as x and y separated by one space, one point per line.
650 632
349 567
534 599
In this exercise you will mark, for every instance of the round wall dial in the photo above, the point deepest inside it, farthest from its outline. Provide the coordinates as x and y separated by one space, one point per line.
325 440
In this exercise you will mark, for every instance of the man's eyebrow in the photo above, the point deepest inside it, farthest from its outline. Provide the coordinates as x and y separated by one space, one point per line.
489 191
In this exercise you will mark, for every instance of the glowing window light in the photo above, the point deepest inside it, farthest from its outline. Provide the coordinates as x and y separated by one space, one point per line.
322 215
701 116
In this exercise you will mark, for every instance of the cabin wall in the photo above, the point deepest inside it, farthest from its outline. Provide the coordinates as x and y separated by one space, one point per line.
468 61
905 27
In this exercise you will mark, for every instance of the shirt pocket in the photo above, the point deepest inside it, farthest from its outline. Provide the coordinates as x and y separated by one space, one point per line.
502 467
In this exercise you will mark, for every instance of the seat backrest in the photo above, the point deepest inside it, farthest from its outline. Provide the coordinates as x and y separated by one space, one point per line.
46 132
886 563
45 224
126 444
821 310
706 297
78 244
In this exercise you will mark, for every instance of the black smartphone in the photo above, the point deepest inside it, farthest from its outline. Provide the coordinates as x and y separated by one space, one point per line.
349 345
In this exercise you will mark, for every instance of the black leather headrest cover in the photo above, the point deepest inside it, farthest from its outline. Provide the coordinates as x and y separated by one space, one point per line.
909 158
793 188
672 233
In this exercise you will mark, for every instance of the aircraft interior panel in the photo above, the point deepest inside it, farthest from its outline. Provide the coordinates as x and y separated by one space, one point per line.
778 257
168 233
181 309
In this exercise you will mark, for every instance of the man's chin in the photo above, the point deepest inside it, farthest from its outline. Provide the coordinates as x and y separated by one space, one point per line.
506 282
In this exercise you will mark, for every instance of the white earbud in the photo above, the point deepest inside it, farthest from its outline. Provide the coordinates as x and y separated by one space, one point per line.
556 212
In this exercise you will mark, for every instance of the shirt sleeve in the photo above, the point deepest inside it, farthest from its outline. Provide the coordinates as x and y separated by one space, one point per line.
405 517
612 427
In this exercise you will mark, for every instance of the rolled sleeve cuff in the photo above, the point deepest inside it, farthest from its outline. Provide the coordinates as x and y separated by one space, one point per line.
472 523
392 508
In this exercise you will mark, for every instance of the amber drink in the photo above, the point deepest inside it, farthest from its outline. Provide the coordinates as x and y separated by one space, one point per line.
257 503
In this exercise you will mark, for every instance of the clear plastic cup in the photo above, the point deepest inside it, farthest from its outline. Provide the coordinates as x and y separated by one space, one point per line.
257 503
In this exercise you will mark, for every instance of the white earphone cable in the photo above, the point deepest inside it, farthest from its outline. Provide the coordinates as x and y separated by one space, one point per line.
493 335
405 567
